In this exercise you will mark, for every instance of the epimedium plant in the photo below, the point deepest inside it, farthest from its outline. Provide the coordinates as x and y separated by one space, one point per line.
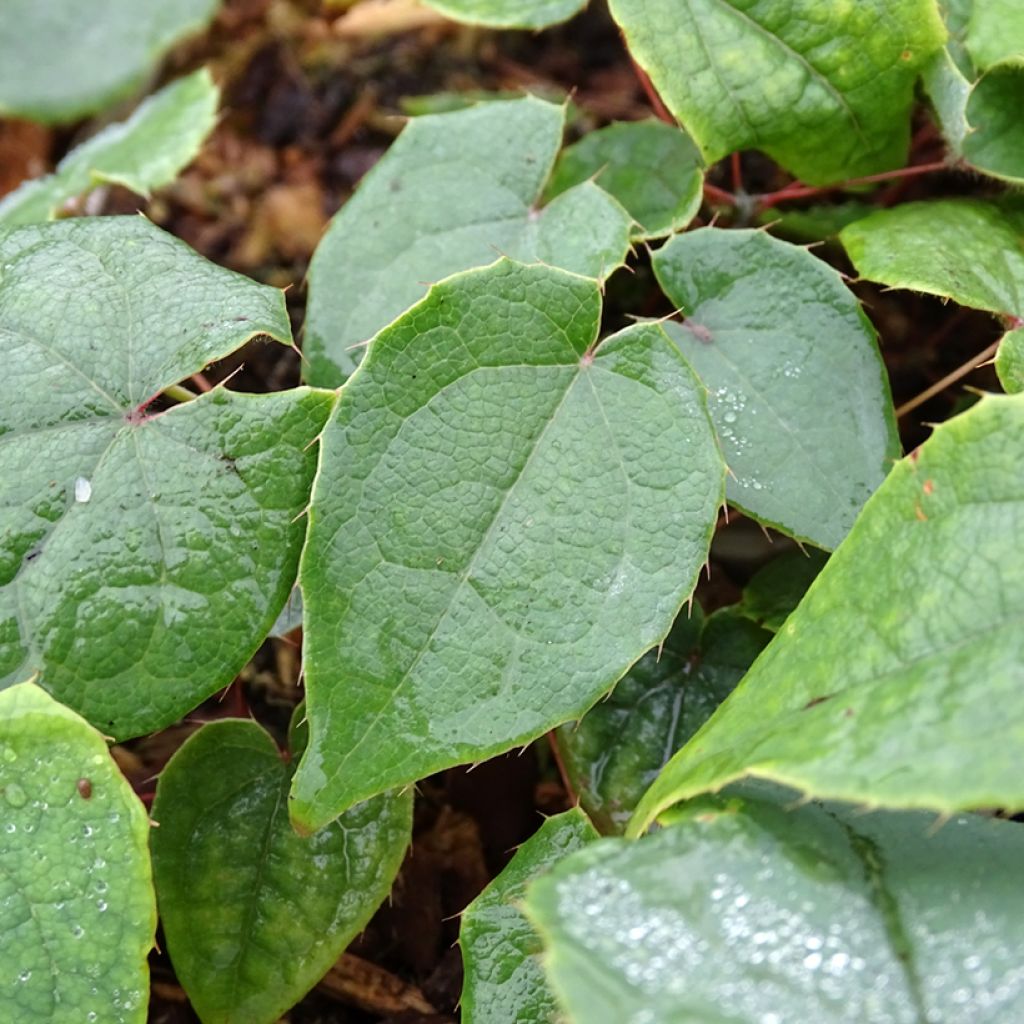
496 511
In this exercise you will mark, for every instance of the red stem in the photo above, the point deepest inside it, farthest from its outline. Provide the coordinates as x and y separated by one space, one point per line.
657 104
737 173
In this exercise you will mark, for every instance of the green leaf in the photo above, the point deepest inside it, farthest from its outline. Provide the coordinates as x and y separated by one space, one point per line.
61 60
898 681
618 748
509 13
77 914
996 136
253 914
995 32
1010 361
505 518
743 912
453 192
820 223
504 982
143 153
143 557
653 169
771 329
967 250
777 589
827 94
949 90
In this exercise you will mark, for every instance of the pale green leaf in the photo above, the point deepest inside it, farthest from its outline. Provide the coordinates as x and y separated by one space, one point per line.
504 982
777 589
770 330
823 88
899 679
506 516
253 914
1010 361
995 140
967 250
509 13
143 153
949 90
616 751
77 914
741 912
143 556
995 32
453 192
61 59
651 168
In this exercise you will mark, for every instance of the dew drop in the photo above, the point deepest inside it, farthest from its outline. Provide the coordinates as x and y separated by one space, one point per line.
83 490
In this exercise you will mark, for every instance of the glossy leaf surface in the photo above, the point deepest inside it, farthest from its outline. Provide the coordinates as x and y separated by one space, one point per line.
60 60
143 557
253 914
967 250
453 192
743 912
504 982
143 153
770 330
653 169
504 519
777 588
898 680
616 751
77 914
823 88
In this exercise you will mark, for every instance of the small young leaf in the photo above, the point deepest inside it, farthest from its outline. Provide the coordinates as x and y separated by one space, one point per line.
504 519
453 192
653 169
509 13
143 557
1010 361
253 914
778 588
770 329
616 751
61 59
899 679
504 982
143 153
994 143
967 250
744 912
826 94
77 914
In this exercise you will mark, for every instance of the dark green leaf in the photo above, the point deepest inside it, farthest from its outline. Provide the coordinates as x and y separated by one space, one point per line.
504 982
779 587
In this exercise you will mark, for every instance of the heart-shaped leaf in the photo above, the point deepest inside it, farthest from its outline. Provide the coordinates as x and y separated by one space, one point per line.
506 516
254 915
743 912
828 97
770 329
504 982
899 679
143 153
618 748
509 13
453 192
77 914
653 169
60 60
143 557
